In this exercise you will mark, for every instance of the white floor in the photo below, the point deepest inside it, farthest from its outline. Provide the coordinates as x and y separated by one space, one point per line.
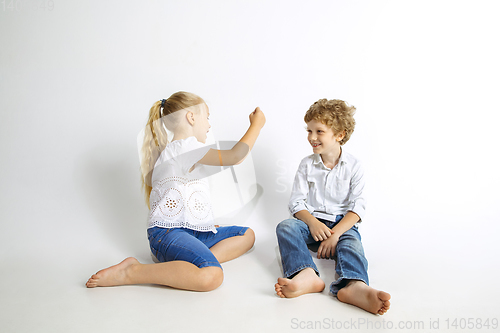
434 278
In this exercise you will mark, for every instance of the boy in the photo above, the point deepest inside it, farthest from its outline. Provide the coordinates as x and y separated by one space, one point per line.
327 203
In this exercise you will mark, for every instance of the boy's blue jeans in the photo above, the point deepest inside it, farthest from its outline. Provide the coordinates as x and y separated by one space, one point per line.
293 238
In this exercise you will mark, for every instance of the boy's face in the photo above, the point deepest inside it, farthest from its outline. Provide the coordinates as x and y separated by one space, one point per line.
322 138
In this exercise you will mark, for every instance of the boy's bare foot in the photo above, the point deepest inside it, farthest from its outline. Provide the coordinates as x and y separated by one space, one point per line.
112 276
306 281
365 297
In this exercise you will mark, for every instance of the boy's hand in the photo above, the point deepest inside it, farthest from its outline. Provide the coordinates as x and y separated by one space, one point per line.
319 231
257 118
326 249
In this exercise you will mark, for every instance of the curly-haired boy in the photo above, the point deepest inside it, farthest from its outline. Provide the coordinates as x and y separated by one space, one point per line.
327 203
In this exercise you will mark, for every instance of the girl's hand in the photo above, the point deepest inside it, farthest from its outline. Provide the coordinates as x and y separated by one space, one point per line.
319 231
326 249
257 118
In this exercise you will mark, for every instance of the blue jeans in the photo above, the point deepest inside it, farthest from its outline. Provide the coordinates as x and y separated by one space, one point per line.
293 238
169 244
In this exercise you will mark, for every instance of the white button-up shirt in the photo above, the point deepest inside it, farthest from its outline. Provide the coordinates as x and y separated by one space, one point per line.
325 192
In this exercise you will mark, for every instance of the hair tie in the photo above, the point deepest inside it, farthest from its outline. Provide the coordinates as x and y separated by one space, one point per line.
162 106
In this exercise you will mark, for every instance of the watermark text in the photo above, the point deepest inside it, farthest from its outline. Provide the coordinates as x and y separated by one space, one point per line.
382 324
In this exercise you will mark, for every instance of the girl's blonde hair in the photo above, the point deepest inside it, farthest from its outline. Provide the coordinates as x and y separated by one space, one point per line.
336 114
155 135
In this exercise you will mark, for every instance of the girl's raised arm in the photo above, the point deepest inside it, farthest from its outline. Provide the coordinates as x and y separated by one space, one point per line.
240 150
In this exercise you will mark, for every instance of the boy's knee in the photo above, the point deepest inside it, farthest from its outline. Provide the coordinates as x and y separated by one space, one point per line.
286 226
351 244
211 278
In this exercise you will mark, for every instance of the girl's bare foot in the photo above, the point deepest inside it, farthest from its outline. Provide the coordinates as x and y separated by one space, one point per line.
307 281
365 297
112 276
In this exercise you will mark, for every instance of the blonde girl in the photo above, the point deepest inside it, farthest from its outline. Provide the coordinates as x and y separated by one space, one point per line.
181 230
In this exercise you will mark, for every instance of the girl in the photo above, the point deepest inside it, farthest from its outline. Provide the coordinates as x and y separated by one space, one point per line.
181 231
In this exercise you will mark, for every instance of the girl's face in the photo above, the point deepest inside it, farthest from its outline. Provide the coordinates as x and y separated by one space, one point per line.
322 138
202 124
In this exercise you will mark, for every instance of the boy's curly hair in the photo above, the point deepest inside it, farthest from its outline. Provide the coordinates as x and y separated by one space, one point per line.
336 114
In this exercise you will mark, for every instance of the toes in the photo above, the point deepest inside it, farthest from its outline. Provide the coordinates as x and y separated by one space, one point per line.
382 311
282 281
385 307
384 296
92 282
279 290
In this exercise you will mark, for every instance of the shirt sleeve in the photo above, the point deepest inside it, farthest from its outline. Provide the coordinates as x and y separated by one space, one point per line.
357 202
300 191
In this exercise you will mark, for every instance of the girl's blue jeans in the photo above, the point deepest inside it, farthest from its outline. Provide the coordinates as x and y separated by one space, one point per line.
169 244
293 238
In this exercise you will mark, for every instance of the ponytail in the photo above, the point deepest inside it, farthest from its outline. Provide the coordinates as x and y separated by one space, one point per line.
155 134
155 140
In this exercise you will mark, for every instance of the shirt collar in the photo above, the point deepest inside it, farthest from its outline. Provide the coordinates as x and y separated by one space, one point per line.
317 158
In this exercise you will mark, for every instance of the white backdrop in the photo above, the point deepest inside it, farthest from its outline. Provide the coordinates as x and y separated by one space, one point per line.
78 79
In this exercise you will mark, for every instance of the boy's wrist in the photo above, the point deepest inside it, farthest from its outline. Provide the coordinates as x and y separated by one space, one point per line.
312 221
334 234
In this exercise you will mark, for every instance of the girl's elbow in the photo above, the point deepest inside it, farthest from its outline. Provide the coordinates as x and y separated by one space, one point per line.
239 153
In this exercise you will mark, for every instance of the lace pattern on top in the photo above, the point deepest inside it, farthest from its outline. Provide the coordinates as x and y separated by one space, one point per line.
181 202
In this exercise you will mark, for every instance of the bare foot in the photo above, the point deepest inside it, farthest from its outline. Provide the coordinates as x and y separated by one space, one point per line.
307 281
112 276
365 297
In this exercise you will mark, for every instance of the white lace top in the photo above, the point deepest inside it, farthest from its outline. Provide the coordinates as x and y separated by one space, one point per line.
181 198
